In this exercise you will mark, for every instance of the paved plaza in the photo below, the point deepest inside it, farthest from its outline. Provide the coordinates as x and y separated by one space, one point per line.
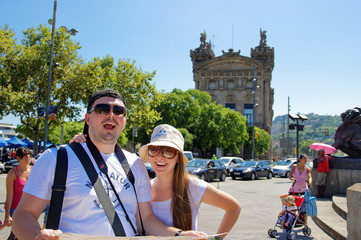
260 206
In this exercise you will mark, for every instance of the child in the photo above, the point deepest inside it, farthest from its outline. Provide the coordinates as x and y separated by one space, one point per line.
289 212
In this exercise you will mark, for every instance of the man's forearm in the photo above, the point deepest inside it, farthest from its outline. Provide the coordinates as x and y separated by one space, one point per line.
25 225
153 226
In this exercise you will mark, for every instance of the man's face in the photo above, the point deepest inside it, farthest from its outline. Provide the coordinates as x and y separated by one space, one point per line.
105 128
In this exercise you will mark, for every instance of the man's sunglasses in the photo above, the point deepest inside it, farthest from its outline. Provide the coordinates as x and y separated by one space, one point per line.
167 152
103 108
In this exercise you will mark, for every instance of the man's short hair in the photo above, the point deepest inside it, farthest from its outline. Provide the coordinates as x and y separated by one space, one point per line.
99 94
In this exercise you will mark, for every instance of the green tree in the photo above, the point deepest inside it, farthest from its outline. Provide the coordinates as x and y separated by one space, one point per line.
262 142
24 77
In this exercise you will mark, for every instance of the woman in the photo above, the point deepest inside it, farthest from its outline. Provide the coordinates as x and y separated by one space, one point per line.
176 196
15 182
300 175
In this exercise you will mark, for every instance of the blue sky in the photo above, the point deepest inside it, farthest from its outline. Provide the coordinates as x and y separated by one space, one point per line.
317 43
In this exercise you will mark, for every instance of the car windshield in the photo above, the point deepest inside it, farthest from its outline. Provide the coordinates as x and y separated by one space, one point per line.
197 163
224 160
247 164
285 163
188 155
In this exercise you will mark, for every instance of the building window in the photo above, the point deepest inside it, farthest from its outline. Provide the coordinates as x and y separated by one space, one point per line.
248 113
231 106
249 84
230 85
212 85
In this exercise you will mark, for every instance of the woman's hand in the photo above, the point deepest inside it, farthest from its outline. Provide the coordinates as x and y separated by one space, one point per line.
192 233
80 137
48 234
8 221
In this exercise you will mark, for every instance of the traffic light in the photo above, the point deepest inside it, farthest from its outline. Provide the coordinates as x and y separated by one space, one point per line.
326 132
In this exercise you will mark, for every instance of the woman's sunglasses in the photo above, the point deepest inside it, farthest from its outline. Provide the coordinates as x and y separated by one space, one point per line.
167 152
103 108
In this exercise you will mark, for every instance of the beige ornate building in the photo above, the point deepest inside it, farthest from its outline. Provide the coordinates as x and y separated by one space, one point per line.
229 79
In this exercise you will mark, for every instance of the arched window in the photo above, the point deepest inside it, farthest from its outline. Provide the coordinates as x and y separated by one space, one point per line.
212 85
230 85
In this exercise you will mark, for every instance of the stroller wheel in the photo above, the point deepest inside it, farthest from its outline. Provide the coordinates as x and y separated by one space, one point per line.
307 231
272 233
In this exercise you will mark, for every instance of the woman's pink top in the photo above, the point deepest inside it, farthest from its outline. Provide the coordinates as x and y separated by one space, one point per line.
301 178
18 189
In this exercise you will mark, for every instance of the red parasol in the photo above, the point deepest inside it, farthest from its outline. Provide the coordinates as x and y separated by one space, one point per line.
323 146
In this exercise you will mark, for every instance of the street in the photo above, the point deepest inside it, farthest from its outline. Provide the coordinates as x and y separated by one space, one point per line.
260 206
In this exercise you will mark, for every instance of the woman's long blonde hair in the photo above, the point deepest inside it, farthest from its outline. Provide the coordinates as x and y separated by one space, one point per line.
181 209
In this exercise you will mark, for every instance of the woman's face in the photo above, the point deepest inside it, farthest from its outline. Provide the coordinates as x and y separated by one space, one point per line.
162 159
26 158
303 160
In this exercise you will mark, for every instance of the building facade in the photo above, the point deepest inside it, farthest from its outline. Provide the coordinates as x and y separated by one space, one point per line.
229 79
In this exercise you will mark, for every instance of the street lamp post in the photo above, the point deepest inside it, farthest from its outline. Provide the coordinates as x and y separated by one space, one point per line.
52 21
254 112
298 126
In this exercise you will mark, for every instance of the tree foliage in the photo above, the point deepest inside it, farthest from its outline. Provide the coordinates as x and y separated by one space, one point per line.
24 79
209 125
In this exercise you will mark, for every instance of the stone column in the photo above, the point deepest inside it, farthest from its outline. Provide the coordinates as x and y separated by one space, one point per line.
354 212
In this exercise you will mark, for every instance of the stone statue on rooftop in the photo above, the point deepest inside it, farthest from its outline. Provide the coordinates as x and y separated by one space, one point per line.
263 41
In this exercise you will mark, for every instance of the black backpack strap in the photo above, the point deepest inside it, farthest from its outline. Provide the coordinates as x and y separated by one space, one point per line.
58 189
99 188
128 172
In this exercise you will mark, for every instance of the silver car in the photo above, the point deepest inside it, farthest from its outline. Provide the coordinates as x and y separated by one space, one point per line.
283 168
230 162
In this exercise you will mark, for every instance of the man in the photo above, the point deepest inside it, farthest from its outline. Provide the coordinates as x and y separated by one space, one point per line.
322 169
82 212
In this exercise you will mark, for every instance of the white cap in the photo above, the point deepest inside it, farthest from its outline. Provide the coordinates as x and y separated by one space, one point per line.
165 135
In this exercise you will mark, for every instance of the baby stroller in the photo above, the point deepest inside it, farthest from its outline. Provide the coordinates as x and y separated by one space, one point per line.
298 222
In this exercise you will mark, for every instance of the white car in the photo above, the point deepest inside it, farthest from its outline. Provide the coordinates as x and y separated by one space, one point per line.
229 162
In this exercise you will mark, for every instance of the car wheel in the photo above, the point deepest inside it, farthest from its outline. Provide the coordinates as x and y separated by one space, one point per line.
223 177
287 175
203 177
253 176
270 175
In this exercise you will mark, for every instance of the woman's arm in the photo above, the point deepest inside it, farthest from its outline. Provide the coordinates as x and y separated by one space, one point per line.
292 171
10 178
220 199
309 176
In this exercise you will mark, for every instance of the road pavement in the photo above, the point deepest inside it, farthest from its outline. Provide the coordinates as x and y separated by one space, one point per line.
260 200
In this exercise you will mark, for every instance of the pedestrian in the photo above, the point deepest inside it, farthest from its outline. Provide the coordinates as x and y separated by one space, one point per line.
176 195
300 175
82 211
322 170
15 182
214 157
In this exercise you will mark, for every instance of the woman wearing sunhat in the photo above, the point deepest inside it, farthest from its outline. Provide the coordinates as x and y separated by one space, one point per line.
176 195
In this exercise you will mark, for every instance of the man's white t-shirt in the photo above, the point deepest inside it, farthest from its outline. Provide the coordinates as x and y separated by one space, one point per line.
163 211
82 211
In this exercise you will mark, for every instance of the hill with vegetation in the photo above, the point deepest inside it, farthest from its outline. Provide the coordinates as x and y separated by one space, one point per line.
318 128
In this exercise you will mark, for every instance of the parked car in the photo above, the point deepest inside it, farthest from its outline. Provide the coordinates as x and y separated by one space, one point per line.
229 162
269 162
251 170
189 155
283 169
2 168
10 164
150 170
207 169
